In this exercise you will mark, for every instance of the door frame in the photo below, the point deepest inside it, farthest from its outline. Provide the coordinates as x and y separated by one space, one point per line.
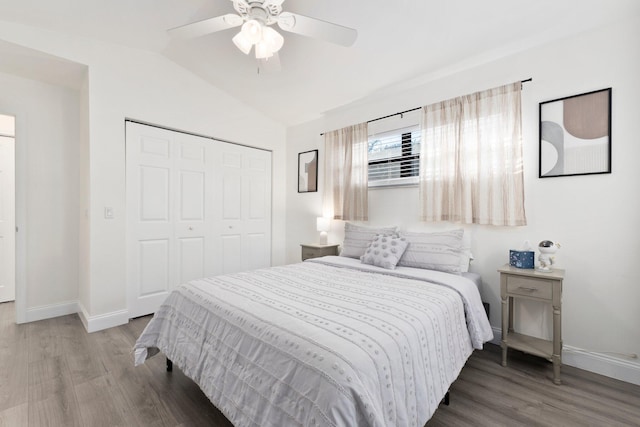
20 206
21 222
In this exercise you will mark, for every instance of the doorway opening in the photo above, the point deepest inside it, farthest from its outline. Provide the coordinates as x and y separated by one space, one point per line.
7 209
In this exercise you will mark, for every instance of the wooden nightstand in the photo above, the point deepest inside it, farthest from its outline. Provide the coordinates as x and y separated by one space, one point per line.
313 250
538 286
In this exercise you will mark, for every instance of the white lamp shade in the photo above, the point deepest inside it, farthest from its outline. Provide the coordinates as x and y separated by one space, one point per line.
252 30
242 43
323 224
263 50
272 38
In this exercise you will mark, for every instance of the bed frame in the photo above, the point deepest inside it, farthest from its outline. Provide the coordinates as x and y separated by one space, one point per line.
445 399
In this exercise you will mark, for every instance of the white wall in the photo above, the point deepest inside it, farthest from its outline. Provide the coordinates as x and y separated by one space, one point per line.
154 90
84 198
595 218
127 83
47 153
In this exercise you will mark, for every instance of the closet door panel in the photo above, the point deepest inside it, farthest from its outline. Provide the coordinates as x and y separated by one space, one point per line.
168 211
149 219
154 193
232 195
192 226
153 261
191 256
192 195
196 207
231 259
243 205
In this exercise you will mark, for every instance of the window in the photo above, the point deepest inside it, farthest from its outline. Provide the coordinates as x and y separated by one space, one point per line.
394 157
471 169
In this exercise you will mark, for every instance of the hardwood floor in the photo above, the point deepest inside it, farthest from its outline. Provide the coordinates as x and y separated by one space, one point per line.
53 373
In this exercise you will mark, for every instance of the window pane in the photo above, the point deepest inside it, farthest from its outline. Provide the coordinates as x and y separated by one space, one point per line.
383 147
389 159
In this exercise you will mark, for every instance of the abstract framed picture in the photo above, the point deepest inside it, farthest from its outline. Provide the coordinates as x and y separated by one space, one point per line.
308 172
575 135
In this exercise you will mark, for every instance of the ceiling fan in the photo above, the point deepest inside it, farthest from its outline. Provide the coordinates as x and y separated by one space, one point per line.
256 18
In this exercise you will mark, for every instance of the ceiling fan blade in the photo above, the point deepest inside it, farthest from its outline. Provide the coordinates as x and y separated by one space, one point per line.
312 27
269 65
207 26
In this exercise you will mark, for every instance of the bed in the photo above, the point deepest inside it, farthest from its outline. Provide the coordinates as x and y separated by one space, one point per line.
326 342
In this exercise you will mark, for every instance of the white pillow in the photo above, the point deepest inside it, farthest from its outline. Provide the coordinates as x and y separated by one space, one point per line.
440 251
465 255
358 237
384 251
465 259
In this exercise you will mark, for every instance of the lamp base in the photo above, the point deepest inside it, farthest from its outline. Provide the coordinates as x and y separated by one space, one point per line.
323 237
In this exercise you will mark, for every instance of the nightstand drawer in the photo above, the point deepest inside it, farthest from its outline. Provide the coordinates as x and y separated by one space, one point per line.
527 287
311 253
317 251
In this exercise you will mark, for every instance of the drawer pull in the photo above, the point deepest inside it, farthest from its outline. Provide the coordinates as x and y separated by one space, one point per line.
522 288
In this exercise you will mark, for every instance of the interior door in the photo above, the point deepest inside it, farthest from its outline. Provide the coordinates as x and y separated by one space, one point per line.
193 198
196 207
7 220
242 207
168 213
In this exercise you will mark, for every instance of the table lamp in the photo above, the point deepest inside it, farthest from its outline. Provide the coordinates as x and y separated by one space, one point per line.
323 225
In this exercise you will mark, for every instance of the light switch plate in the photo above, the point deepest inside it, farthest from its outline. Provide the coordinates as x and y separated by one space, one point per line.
108 213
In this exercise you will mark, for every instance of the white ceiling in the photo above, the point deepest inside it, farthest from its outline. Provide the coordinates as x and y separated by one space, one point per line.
398 41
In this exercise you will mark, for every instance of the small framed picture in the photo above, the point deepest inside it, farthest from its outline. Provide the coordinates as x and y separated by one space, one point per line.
308 172
575 135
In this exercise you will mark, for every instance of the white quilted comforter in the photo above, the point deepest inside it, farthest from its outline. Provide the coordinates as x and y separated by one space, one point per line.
327 342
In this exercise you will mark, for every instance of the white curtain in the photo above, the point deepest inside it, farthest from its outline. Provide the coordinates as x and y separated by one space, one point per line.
345 177
471 159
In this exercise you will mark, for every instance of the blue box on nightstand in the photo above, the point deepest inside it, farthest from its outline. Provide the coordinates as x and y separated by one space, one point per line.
521 259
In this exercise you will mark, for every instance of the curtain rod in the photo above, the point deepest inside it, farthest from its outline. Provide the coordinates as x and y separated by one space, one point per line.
417 108
392 115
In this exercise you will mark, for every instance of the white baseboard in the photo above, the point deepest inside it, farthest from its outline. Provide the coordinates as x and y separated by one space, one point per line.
51 310
102 321
603 364
91 323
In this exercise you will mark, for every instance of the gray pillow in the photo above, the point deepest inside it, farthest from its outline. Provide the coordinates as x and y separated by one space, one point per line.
433 251
384 251
358 237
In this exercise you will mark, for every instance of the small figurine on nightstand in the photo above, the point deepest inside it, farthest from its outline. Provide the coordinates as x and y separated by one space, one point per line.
547 255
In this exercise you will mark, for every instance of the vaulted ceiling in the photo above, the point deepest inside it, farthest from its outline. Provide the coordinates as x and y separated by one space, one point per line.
398 41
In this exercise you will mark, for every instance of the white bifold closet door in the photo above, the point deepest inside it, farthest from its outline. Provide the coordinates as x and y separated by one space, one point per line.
196 207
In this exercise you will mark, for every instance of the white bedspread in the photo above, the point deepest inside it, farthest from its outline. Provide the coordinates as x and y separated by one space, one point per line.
325 343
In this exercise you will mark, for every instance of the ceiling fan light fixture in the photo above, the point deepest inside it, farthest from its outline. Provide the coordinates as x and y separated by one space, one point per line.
272 38
252 30
256 18
263 50
232 20
242 43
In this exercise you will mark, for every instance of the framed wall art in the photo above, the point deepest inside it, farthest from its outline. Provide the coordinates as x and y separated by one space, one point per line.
575 135
308 172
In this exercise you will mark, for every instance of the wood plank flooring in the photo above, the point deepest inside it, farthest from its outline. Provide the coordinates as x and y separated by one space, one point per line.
53 373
